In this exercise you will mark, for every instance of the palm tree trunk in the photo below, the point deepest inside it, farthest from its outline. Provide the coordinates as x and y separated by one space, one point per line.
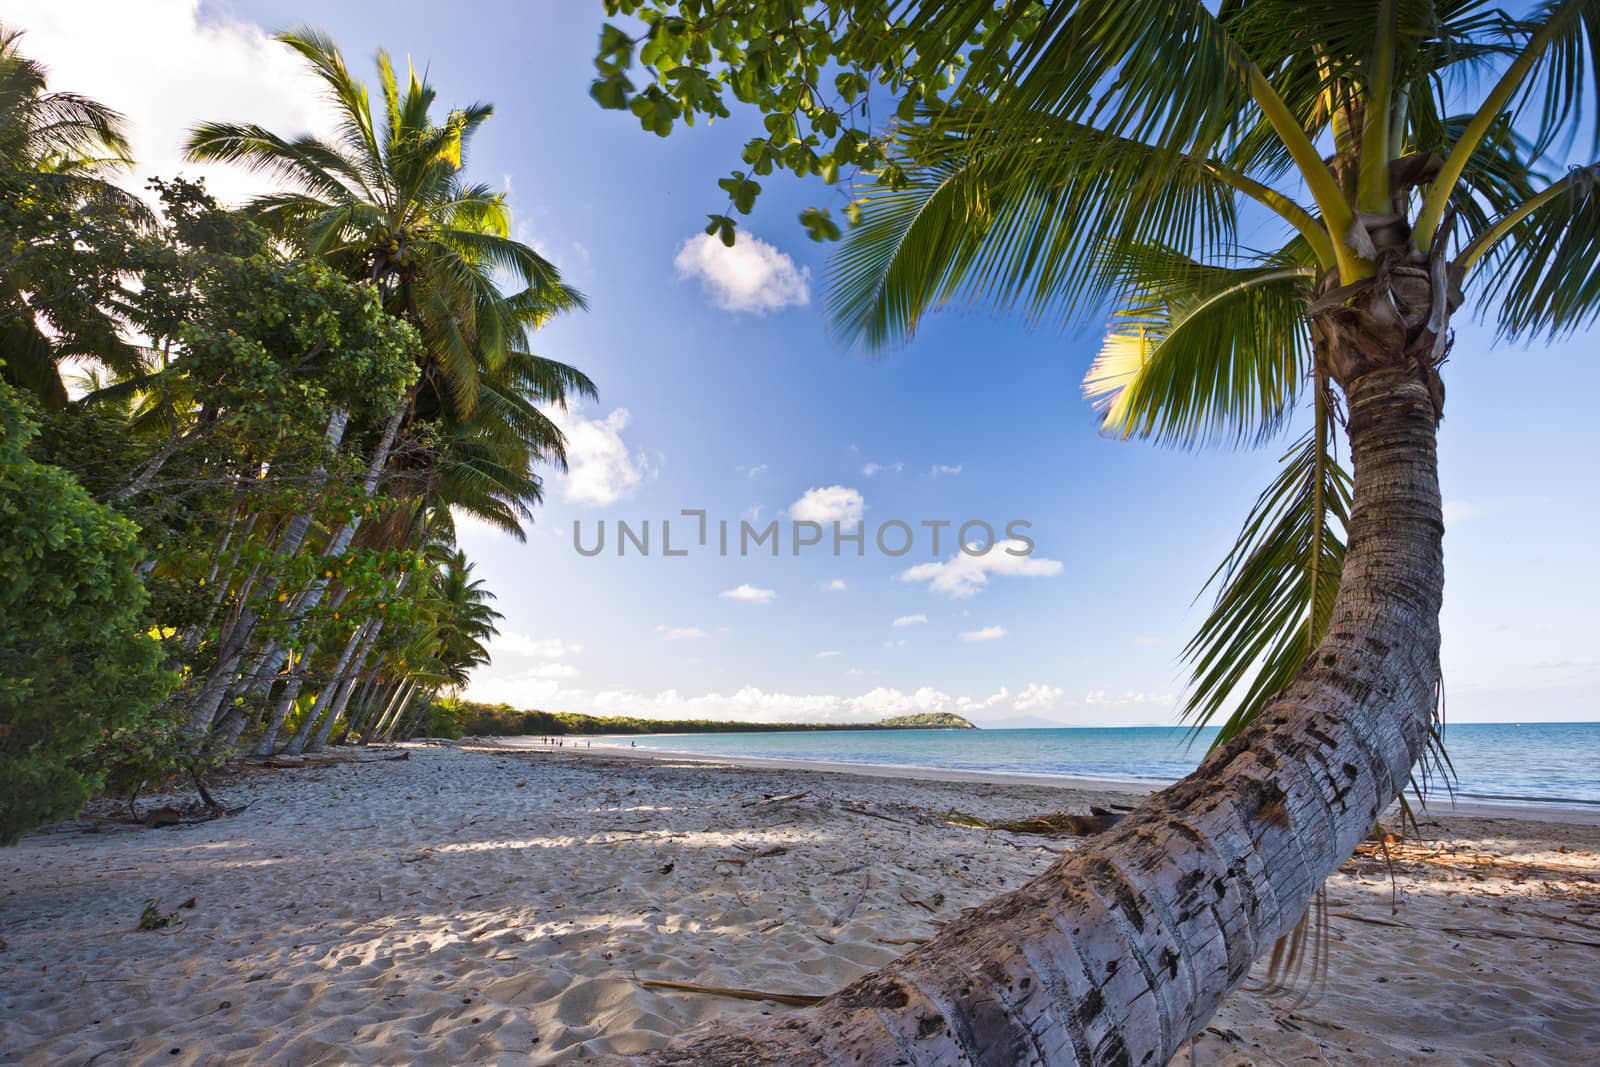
362 691
266 665
1122 950
385 729
328 701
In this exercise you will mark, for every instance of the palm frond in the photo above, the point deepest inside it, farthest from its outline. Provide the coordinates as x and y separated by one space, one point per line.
1275 588
1200 353
1018 221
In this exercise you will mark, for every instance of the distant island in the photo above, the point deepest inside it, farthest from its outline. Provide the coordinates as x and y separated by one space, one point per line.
468 719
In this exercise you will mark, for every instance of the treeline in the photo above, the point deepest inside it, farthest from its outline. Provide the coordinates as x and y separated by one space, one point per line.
233 441
463 718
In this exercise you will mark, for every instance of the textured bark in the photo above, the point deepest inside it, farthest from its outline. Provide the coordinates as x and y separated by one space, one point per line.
1123 949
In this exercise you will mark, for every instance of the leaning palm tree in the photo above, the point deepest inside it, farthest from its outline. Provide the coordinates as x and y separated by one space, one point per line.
387 202
1133 154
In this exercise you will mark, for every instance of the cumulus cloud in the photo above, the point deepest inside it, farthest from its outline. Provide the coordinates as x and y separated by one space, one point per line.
749 594
600 469
1037 697
836 585
909 620
941 470
751 276
515 644
679 633
988 633
836 503
209 67
879 468
554 670
963 575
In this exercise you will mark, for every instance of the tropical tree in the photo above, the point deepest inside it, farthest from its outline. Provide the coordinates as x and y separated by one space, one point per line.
1061 156
64 228
387 203
75 663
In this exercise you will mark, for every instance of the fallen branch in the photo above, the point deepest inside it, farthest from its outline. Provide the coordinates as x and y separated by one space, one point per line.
782 799
798 1000
1054 824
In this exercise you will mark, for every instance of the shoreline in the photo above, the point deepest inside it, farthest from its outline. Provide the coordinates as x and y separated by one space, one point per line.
608 745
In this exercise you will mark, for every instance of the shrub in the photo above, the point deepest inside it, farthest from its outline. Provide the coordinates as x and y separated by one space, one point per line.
75 662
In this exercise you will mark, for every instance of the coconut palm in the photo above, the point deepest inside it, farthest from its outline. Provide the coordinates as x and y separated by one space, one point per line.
65 227
389 201
1133 154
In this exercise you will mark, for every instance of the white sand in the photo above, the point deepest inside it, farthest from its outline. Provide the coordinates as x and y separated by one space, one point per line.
497 906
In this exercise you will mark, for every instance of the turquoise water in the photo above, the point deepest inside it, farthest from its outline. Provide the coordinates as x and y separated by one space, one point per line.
1551 762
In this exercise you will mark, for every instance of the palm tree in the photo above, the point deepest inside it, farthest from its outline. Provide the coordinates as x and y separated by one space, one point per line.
61 223
387 202
1131 153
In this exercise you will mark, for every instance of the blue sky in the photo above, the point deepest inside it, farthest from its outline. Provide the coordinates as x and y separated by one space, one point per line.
721 389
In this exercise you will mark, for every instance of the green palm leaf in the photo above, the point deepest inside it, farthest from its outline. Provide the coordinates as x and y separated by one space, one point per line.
1275 588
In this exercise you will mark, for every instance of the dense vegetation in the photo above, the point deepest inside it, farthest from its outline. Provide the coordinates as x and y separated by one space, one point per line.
464 718
233 439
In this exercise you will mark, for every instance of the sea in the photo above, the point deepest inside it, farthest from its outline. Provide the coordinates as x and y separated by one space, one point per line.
1548 763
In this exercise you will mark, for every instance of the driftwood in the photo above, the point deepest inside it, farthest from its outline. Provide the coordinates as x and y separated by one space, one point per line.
1054 824
780 799
798 1000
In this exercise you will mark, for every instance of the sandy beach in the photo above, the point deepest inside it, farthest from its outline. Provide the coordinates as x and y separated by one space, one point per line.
481 903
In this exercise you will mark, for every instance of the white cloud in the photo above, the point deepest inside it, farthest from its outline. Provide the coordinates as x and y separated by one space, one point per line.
750 276
749 594
941 470
752 470
879 468
900 643
855 672
829 654
836 585
963 575
515 644
600 469
909 620
554 670
168 65
1037 697
988 633
679 633
753 512
836 503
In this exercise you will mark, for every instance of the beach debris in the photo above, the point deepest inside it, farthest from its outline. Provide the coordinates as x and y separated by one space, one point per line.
844 916
769 799
798 1000
873 814
931 905
152 917
1053 824
667 868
